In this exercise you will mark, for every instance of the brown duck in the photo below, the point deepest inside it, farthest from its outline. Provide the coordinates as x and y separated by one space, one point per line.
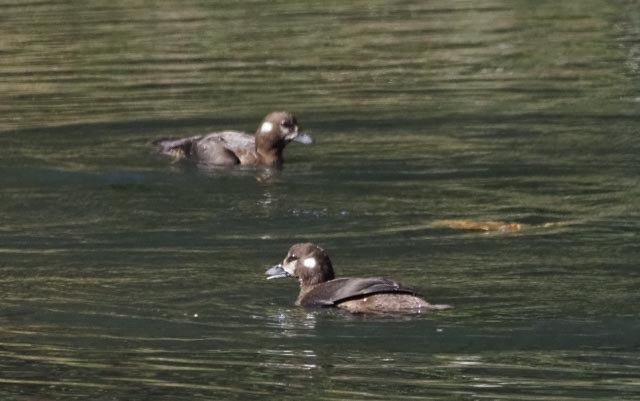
264 148
311 265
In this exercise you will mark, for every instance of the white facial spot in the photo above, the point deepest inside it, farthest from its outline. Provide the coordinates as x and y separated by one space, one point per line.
285 130
309 263
266 127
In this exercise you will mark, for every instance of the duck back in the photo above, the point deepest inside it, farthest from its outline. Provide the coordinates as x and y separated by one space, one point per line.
390 303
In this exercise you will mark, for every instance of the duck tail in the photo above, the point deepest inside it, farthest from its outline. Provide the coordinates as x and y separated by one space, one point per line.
439 307
178 148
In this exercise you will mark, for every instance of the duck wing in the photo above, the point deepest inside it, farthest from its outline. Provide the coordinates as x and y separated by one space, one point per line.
178 148
227 147
233 140
339 290
222 148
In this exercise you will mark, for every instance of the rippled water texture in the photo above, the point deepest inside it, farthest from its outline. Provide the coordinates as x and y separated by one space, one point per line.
124 276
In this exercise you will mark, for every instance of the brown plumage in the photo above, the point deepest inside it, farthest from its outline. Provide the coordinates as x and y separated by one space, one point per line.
264 148
311 265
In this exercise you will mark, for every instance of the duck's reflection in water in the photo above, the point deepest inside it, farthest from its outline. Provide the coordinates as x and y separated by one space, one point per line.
287 357
266 175
295 322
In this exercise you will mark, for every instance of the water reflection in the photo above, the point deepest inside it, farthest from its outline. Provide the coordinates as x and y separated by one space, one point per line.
127 277
295 322
285 359
262 174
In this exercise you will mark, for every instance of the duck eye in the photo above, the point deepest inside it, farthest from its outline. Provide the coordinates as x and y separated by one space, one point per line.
291 258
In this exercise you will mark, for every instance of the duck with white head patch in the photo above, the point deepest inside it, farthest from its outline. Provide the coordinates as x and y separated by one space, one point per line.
311 265
264 148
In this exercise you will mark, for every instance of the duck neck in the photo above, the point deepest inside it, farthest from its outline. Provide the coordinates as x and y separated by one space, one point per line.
269 152
304 290
271 157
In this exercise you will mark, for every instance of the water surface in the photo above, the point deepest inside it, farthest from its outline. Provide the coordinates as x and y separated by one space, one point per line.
124 276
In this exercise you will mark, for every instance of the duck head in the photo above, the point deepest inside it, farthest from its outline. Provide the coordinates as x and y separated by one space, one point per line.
307 262
275 132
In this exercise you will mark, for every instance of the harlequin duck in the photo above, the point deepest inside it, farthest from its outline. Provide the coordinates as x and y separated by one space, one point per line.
311 265
234 147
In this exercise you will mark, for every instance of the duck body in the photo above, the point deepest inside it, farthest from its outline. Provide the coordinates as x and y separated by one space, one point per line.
365 295
318 287
227 148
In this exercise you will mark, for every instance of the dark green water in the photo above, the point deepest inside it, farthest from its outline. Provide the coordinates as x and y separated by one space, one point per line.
124 277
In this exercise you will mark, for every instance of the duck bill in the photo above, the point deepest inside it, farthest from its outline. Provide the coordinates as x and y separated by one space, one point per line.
276 271
303 138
